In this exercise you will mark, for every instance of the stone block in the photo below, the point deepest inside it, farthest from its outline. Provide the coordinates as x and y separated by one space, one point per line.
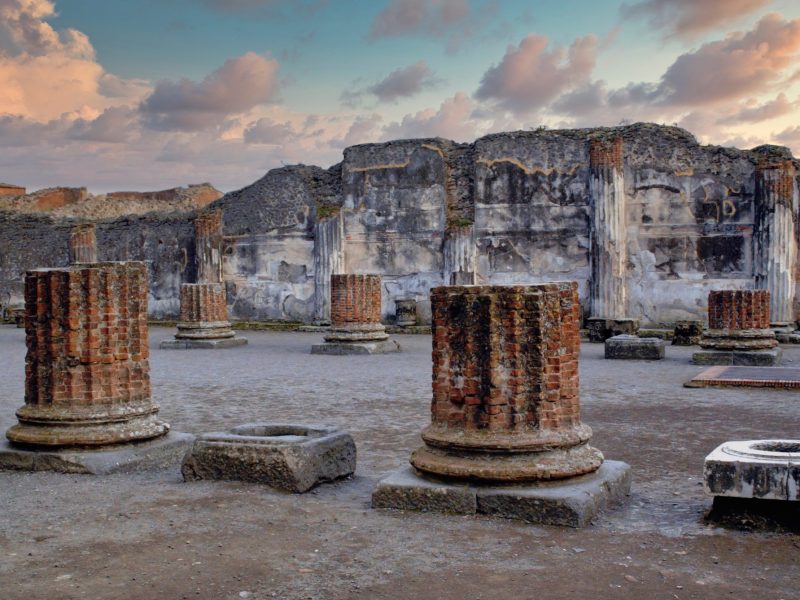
160 453
749 358
687 333
407 489
601 329
758 469
571 502
176 344
630 347
346 348
288 456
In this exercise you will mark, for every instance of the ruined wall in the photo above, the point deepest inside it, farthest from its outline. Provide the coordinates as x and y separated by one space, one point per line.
164 242
511 208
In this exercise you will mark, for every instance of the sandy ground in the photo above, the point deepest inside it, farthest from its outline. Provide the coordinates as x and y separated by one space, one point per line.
153 536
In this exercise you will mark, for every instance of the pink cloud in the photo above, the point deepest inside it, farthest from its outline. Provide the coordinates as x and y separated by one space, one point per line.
239 85
451 121
529 76
689 18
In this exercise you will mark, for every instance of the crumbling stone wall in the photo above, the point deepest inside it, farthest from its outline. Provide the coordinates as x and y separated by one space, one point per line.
510 208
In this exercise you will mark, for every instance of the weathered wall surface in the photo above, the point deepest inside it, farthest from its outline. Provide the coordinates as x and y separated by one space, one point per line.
509 208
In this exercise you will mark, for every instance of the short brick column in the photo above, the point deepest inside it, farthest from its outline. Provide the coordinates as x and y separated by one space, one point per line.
738 329
83 244
204 312
356 317
506 404
87 372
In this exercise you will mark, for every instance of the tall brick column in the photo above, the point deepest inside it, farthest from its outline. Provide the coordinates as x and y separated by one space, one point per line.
208 246
738 330
87 372
608 242
356 317
506 403
775 206
83 244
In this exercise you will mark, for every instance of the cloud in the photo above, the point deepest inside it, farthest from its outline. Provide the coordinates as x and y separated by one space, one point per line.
529 76
115 125
453 20
741 64
24 29
405 82
689 18
239 85
790 137
769 110
451 121
404 17
364 128
45 73
267 131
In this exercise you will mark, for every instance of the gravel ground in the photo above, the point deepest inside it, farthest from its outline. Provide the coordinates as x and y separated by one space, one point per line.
151 535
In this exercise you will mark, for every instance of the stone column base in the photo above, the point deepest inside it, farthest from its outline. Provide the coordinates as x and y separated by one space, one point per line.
177 344
600 329
751 358
345 348
160 453
572 502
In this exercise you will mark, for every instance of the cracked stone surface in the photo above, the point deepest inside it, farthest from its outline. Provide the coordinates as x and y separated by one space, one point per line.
124 536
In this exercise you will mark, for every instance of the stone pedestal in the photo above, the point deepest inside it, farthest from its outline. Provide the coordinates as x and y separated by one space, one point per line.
505 408
755 481
356 318
738 330
602 329
406 312
87 378
631 347
203 320
83 244
289 456
687 333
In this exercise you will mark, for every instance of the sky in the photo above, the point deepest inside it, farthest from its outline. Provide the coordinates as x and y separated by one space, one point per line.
151 94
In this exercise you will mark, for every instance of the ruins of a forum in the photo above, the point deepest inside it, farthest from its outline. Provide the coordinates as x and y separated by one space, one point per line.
506 251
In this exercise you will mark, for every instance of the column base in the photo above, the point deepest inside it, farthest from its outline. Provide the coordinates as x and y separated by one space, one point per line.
572 502
346 348
600 328
160 453
181 344
750 358
630 347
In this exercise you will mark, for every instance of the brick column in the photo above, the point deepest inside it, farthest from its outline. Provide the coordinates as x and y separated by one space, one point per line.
208 246
774 237
87 375
204 312
506 403
356 309
83 244
738 330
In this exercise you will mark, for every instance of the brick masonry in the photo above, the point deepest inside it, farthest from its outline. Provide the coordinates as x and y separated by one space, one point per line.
738 309
83 243
505 379
355 299
203 302
605 153
87 371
